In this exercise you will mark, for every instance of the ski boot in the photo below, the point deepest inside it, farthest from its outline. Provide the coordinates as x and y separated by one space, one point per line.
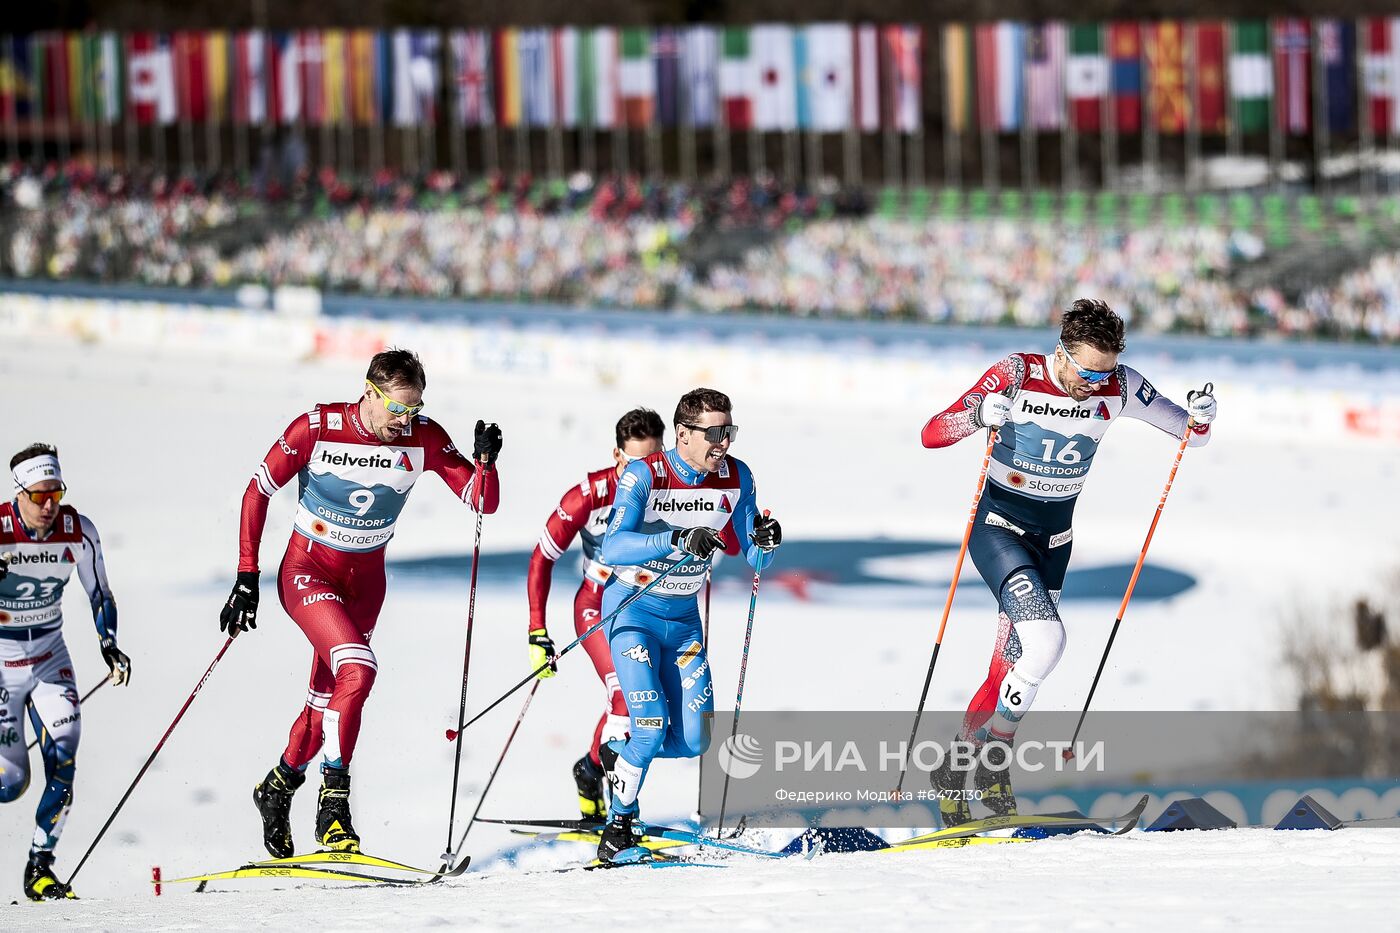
993 782
40 883
589 779
619 837
333 828
273 798
951 788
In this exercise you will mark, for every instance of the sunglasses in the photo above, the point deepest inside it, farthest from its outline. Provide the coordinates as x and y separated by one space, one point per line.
394 408
48 495
715 434
1088 375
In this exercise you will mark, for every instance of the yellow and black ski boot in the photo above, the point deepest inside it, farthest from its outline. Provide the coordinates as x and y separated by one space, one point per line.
589 779
993 781
950 786
40 883
334 830
273 798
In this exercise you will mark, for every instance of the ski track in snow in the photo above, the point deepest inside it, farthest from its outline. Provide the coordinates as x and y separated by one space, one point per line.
157 450
1250 878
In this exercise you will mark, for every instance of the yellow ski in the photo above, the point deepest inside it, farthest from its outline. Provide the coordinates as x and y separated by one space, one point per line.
341 858
284 871
991 823
955 843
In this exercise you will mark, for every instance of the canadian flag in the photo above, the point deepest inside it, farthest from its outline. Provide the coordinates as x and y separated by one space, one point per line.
151 78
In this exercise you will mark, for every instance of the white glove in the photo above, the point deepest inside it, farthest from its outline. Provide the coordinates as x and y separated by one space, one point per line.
993 411
616 728
1201 406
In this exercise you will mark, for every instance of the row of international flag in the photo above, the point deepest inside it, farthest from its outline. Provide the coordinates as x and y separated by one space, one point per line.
1170 76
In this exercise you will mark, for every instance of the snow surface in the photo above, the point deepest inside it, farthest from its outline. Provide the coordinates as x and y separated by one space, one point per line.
157 449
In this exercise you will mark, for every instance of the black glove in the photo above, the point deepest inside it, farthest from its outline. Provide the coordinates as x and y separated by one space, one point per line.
117 662
699 541
240 613
767 533
487 446
5 564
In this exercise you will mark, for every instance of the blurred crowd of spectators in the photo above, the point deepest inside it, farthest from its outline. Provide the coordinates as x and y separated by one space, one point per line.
745 245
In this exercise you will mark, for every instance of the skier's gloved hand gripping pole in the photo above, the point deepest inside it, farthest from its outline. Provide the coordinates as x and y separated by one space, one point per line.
767 534
1200 407
485 448
452 734
993 414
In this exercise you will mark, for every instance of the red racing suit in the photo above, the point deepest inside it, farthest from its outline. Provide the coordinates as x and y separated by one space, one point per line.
351 489
583 513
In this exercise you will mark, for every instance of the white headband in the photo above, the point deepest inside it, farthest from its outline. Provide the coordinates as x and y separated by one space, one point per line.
35 470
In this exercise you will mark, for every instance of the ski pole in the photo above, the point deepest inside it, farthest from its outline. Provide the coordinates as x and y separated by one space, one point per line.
948 603
100 684
466 667
449 856
1068 753
452 734
704 640
154 752
739 697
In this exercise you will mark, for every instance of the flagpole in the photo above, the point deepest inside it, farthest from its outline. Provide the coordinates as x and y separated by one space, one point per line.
1150 154
987 116
1108 117
457 55
1030 168
1321 127
951 164
1193 99
108 42
1275 125
347 102
184 98
63 126
36 102
88 46
887 113
685 109
131 152
914 144
1069 137
1365 134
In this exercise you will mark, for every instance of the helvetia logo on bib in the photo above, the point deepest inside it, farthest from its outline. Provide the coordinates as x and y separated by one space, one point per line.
724 505
403 463
1101 413
68 557
740 756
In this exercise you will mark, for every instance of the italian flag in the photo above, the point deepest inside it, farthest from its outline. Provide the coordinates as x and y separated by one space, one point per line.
636 78
738 77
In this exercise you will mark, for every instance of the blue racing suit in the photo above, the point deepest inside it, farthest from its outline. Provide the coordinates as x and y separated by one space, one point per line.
657 642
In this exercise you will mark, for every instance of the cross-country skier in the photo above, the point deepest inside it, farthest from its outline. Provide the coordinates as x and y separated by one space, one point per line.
355 464
583 511
683 501
1052 412
41 544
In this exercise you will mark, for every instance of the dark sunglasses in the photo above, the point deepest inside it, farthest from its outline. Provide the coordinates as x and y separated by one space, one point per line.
39 497
715 434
